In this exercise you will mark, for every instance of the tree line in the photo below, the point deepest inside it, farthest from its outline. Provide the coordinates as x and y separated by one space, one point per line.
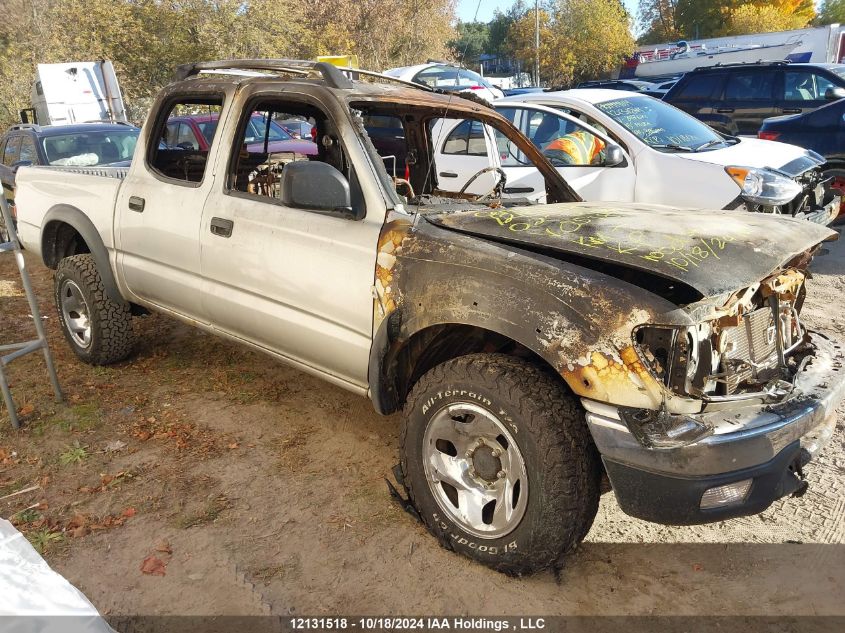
669 20
579 39
587 39
147 39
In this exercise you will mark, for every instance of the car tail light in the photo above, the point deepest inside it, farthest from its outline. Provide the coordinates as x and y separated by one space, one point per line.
838 183
768 136
407 172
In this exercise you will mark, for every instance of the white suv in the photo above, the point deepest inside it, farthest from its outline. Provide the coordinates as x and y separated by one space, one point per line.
634 148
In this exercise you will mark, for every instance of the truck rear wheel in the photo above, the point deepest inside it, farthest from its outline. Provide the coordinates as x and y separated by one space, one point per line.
499 462
98 329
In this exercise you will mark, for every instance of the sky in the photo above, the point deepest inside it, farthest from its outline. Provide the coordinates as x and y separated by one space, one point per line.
466 8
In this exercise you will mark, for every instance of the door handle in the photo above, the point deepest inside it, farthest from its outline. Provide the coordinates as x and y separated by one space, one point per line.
448 174
221 227
136 204
724 110
519 190
791 110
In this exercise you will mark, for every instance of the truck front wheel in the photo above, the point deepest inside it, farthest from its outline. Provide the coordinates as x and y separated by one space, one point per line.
98 328
498 461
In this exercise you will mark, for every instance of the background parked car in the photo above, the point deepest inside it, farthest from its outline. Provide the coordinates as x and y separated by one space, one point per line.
735 99
639 149
195 132
510 92
81 145
447 77
821 130
633 85
297 128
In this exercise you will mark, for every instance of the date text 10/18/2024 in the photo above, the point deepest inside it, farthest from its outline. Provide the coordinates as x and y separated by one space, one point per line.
416 623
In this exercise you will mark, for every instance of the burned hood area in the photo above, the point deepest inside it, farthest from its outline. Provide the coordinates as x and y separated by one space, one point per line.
695 256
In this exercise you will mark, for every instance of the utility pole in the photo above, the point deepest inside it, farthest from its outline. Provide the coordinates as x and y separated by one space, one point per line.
536 42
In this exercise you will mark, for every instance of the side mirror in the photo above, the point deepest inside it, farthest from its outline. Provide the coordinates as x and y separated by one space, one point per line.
613 155
318 186
21 163
831 94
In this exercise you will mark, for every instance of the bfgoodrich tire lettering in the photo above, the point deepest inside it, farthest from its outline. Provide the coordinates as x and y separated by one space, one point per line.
97 328
548 426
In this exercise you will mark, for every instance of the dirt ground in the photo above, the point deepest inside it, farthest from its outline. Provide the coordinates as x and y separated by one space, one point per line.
258 489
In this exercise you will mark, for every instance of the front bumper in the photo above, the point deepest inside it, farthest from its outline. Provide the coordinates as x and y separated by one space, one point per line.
767 443
823 214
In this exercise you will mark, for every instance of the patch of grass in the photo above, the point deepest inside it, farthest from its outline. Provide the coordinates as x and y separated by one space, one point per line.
288 570
86 416
266 574
75 454
80 417
43 539
9 487
208 513
25 516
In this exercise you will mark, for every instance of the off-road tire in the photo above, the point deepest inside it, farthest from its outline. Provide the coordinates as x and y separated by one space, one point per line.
111 322
561 460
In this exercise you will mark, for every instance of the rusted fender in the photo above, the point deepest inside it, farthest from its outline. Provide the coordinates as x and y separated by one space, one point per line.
579 320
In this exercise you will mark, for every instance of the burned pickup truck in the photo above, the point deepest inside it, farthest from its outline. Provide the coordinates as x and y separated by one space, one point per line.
531 348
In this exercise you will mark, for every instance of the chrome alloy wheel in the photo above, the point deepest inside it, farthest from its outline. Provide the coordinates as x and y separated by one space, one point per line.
475 470
76 313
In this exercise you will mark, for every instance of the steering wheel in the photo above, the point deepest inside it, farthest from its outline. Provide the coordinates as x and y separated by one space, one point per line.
497 187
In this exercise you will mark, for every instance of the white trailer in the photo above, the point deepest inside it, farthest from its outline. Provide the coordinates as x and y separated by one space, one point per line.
77 92
817 44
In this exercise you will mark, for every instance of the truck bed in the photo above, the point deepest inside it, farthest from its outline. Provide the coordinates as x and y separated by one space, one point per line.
91 190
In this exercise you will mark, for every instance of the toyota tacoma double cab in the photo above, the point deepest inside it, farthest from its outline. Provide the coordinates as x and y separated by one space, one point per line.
533 348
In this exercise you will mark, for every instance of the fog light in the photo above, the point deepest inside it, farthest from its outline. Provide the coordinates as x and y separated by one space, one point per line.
727 495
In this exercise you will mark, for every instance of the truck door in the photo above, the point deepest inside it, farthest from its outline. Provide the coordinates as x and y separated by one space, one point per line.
293 280
158 213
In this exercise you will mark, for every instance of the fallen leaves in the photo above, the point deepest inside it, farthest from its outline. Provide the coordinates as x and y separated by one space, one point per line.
82 524
186 436
152 565
107 481
156 563
26 409
8 456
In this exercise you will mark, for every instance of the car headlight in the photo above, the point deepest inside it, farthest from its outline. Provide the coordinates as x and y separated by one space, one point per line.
762 186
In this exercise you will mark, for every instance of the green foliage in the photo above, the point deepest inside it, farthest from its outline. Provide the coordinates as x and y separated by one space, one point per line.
579 39
25 516
499 29
831 12
147 39
473 40
671 20
75 454
43 539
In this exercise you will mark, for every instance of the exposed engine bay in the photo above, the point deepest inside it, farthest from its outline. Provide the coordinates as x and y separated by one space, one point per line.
752 349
